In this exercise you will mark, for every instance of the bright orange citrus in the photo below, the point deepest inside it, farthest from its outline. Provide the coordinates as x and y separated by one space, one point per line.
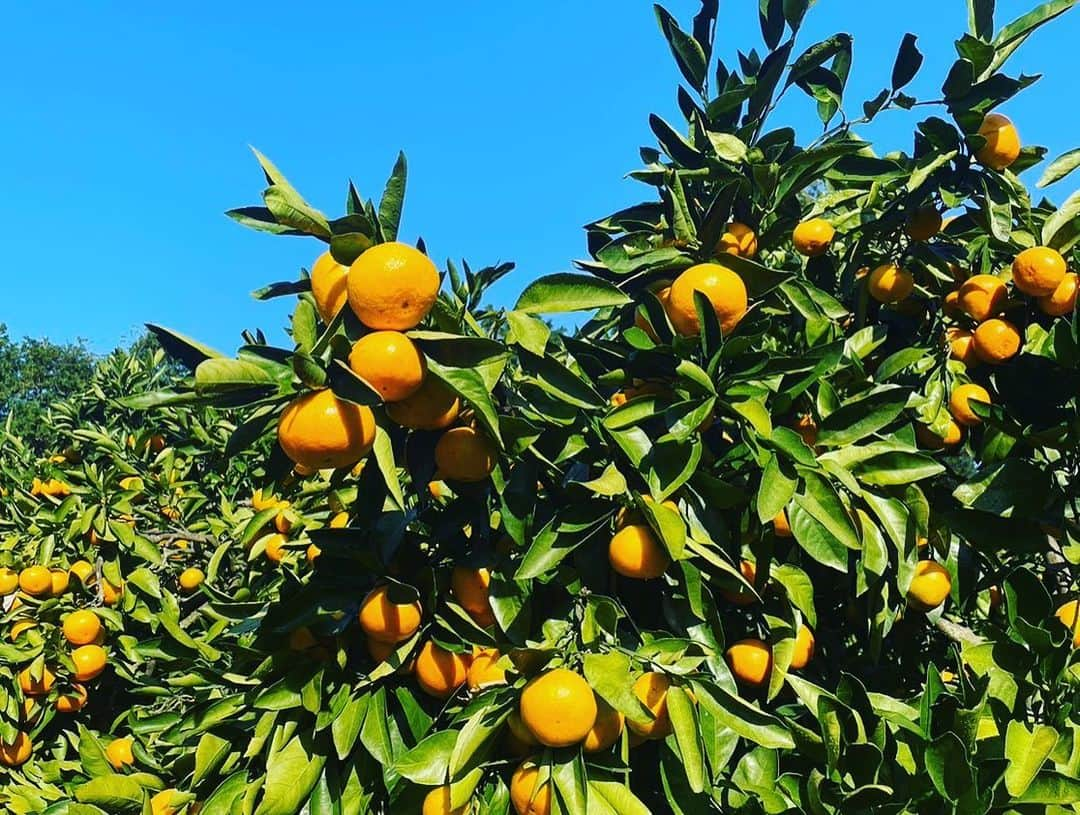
390 362
1038 271
83 570
723 288
635 552
982 296
329 286
35 581
750 661
528 794
738 239
605 730
558 707
804 648
1062 301
440 672
82 627
17 752
812 238
470 589
954 434
484 670
89 660
958 403
465 454
432 407
321 431
962 345
9 581
386 621
36 687
1002 146
1067 614
741 597
652 689
996 341
889 283
781 526
118 752
392 286
191 578
930 587
437 802
72 701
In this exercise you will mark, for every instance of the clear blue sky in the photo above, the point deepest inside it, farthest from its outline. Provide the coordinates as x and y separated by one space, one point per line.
126 129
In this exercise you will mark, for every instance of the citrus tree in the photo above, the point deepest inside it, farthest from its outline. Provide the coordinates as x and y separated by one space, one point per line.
788 523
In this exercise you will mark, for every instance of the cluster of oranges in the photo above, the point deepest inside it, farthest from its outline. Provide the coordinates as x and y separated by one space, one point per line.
82 630
390 288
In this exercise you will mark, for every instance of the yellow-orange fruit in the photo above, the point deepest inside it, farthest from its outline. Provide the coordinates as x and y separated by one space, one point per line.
996 341
958 403
191 578
740 597
484 671
83 570
951 304
558 707
390 362
89 660
635 552
392 286
329 286
1061 302
118 752
73 701
528 794
82 627
812 238
1067 614
738 239
889 283
17 752
321 431
605 730
439 672
954 434
807 429
470 589
36 687
781 526
276 550
36 581
930 587
724 290
750 661
804 648
962 345
652 689
1038 271
386 621
431 407
9 581
465 454
437 802
1002 146
982 296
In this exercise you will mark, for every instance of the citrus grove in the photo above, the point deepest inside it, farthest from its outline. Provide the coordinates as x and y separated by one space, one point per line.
787 524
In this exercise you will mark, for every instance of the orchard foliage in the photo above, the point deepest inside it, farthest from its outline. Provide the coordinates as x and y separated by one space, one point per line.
790 523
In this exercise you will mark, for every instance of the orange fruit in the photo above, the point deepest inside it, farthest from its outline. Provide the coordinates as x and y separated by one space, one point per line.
923 224
996 341
930 586
962 345
635 552
261 500
17 752
738 239
329 286
60 580
958 403
9 581
161 803
889 283
652 688
484 670
439 672
723 288
528 795
954 434
118 752
1002 146
804 648
807 429
35 581
470 588
36 687
340 520
741 597
1061 302
111 594
311 554
191 578
89 661
437 802
558 707
750 661
981 296
605 730
812 238
433 406
1038 271
282 522
781 527
951 304
392 286
83 570
321 431
276 550
390 362
386 621
1067 614
73 701
81 627
465 454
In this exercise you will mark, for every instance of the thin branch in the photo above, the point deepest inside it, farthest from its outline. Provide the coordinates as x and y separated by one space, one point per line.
182 535
958 633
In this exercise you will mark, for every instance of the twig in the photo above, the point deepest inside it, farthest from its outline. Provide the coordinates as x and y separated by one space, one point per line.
958 633
183 535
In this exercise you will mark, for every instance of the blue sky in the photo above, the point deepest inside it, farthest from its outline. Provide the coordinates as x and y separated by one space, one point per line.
127 126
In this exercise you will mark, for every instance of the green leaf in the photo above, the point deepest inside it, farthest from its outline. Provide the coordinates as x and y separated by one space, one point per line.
393 198
684 723
304 325
1013 35
817 55
527 331
112 792
564 292
1026 751
470 386
688 53
949 766
609 675
261 219
428 762
858 418
221 375
209 754
186 351
981 19
775 490
384 457
1051 788
616 797
908 62
1060 167
294 213
291 773
748 721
